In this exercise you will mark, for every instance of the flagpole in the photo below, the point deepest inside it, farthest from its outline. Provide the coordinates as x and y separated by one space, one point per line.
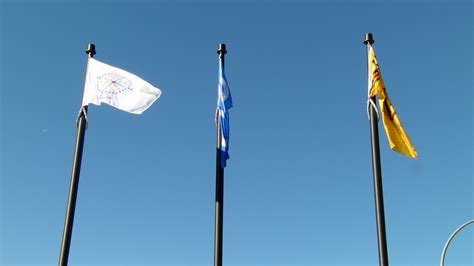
377 170
219 203
74 183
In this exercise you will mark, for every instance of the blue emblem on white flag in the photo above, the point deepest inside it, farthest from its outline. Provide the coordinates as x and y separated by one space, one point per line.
118 88
224 103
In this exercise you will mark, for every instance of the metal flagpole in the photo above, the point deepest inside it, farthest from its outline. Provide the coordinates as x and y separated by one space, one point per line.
219 203
445 248
76 169
377 169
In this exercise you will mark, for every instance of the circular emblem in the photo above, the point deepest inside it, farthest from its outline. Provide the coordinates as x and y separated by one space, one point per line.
111 84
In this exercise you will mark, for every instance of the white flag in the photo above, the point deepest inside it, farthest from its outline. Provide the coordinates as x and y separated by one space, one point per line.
118 88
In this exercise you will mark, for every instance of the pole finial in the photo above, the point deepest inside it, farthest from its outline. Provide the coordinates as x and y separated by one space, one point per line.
368 38
221 49
90 49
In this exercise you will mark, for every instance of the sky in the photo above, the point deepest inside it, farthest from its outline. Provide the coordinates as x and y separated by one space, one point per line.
298 184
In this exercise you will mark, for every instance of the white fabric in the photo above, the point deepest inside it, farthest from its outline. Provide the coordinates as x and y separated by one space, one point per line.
118 88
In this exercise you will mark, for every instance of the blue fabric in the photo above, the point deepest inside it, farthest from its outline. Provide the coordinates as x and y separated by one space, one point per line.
224 103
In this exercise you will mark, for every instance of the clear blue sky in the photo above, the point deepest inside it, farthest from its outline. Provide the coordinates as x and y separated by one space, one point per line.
298 186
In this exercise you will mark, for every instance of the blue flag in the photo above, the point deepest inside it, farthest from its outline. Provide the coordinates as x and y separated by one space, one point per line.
224 103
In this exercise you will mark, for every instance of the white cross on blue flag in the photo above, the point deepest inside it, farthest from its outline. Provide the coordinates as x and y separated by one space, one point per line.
224 103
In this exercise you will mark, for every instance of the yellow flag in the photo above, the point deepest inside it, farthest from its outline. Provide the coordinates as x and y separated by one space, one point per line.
397 137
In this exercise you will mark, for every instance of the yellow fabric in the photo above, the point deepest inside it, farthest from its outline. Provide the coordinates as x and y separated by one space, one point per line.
397 137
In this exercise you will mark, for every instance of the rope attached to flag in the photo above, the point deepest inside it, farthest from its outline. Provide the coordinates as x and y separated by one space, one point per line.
83 112
370 102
